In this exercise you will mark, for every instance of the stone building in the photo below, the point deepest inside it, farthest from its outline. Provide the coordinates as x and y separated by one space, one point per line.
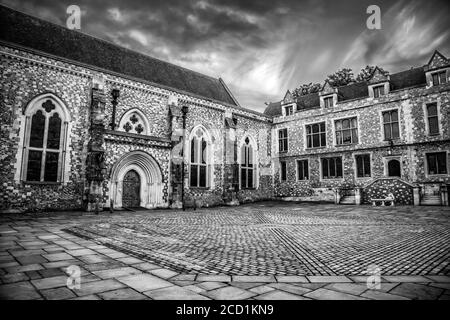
89 125
366 140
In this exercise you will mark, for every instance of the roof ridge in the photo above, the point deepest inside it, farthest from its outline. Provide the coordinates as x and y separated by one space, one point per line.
107 42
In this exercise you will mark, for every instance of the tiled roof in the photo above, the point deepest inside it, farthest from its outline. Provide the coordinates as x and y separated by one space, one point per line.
27 31
273 109
401 80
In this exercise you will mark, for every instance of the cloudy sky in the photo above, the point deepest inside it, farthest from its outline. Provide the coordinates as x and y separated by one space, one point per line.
262 48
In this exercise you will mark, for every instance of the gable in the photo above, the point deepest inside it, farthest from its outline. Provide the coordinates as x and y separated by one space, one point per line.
437 61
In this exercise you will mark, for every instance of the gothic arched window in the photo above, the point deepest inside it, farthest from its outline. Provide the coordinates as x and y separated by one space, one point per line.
247 165
44 144
199 165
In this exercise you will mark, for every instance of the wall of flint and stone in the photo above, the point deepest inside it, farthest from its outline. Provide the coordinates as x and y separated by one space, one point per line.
411 147
26 75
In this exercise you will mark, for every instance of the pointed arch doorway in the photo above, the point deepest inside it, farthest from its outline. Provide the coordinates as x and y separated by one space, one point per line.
137 181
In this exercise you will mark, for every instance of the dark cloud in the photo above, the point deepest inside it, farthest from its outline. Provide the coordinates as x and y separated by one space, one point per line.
262 48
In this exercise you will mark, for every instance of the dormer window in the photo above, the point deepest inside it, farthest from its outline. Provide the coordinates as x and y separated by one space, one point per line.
328 102
439 78
378 91
289 110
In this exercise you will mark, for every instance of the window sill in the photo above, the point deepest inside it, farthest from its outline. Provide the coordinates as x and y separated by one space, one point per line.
437 175
283 152
434 134
242 189
316 148
42 183
346 145
199 188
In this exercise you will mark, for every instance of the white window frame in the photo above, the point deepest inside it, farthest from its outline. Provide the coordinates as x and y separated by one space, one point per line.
425 113
253 144
296 169
209 155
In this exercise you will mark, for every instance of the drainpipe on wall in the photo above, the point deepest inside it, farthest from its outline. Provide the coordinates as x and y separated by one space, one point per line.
184 111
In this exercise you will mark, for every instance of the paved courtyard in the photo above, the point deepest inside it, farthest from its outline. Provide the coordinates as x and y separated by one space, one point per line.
258 251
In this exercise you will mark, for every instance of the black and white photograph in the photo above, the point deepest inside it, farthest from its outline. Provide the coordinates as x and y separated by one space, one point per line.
202 151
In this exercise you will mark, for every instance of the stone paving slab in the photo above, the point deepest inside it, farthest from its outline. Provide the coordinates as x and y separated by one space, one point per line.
174 293
35 254
144 282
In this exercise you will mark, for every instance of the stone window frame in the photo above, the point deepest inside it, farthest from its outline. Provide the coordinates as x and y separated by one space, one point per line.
370 88
305 136
386 160
284 108
429 76
355 165
254 145
297 160
332 95
357 128
209 157
321 178
284 138
438 175
34 105
425 118
380 115
141 116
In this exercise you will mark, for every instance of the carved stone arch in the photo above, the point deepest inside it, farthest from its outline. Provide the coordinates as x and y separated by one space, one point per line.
134 121
151 179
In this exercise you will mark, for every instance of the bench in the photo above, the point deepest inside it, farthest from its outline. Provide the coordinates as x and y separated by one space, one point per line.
383 201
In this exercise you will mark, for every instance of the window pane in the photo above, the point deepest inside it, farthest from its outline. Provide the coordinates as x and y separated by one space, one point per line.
203 154
316 142
322 127
338 125
355 136
54 132
325 168
300 170
315 128
394 116
332 165
194 174
250 178
395 131
442 163
34 165
308 129
367 172
432 164
387 132
323 141
193 150
37 130
345 124
386 117
435 79
306 169
442 77
433 124
309 141
250 156
243 178
432 109
347 138
359 166
202 176
51 166
338 167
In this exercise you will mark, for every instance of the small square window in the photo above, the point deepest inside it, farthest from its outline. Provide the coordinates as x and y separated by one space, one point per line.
378 91
328 102
439 78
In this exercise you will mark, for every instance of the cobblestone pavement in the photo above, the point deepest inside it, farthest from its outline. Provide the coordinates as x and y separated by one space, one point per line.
261 251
